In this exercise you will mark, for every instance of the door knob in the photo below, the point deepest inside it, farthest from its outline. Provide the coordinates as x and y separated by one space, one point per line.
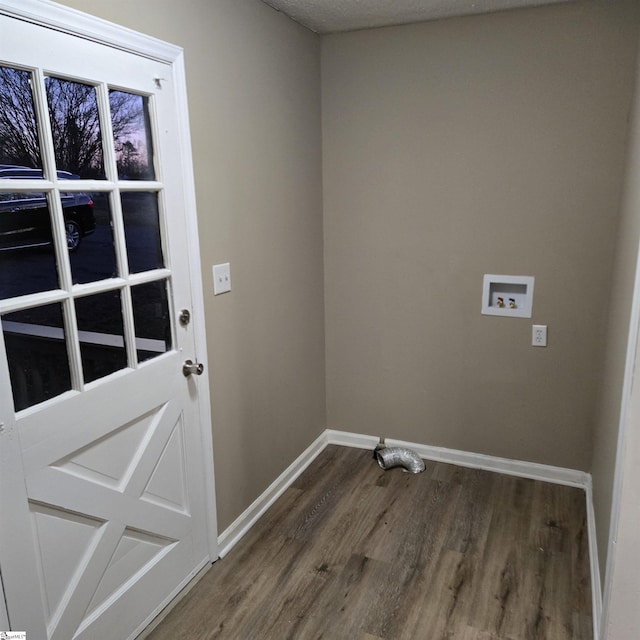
189 368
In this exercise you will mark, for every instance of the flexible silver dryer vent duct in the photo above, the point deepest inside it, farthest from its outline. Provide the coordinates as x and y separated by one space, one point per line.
389 457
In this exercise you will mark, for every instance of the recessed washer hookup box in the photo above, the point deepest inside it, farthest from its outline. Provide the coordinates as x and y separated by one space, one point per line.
507 296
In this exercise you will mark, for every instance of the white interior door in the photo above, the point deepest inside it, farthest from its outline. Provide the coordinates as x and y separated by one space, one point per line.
103 477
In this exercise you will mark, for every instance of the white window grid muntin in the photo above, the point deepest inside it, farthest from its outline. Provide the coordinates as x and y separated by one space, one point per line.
52 187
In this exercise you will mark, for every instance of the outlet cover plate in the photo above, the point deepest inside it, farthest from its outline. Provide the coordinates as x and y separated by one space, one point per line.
539 335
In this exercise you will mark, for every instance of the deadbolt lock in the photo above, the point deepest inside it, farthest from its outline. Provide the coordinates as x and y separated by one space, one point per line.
185 317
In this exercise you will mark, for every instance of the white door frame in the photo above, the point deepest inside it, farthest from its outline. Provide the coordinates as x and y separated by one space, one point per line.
67 20
630 391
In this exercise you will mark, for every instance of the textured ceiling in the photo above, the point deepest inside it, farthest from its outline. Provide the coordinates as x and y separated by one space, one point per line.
328 16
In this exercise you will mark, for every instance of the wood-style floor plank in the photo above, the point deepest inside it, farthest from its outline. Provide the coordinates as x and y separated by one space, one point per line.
351 551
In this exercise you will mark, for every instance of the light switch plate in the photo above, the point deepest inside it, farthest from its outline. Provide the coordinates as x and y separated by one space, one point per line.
221 278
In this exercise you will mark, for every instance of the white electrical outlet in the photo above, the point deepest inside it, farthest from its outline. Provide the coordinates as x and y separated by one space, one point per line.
221 278
539 335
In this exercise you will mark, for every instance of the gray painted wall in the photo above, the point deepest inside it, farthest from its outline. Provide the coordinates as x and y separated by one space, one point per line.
489 144
623 588
451 149
253 79
619 308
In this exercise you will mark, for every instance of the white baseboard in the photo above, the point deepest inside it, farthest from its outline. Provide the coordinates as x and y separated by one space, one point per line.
355 440
234 532
546 473
533 470
596 587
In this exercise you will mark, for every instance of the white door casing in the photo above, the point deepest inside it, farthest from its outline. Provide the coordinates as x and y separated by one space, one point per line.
106 491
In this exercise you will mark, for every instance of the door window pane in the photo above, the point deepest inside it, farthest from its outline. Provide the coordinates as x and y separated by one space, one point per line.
131 135
27 258
36 342
151 319
142 231
75 125
90 237
101 333
37 354
19 144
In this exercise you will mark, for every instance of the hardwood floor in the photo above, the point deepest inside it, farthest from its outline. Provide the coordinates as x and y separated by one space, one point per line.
354 552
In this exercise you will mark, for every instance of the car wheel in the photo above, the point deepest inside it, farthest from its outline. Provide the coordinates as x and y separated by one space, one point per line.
73 235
